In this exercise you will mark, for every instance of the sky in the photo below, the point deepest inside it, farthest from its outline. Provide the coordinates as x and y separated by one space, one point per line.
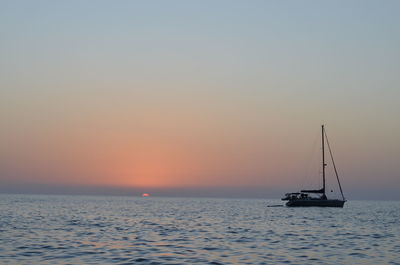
207 98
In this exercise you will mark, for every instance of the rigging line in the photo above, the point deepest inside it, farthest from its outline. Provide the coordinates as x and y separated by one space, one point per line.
334 166
309 162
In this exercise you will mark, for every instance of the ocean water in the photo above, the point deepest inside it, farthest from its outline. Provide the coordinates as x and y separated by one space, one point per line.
37 229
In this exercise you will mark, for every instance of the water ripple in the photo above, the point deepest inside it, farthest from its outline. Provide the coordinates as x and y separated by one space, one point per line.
122 230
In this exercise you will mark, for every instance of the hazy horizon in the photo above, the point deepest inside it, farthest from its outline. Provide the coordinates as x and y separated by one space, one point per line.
209 98
189 192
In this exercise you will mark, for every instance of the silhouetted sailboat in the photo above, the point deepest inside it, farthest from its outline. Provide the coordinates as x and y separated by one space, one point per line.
303 198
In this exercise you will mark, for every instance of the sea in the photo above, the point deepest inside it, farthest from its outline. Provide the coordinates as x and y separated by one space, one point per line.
55 229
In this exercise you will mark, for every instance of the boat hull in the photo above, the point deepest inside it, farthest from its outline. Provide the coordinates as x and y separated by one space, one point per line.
315 203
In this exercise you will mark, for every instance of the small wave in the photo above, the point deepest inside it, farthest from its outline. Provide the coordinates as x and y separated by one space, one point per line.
141 260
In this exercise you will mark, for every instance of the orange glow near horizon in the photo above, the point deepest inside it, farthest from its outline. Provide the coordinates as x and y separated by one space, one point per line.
156 166
125 159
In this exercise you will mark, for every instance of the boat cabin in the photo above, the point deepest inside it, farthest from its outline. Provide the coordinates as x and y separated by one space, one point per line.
302 196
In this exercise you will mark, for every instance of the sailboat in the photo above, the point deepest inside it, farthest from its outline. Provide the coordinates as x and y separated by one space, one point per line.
306 198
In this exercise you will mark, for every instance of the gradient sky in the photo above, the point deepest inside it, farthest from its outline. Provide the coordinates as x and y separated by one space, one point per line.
198 95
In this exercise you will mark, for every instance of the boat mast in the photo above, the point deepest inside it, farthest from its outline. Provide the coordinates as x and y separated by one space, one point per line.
323 158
